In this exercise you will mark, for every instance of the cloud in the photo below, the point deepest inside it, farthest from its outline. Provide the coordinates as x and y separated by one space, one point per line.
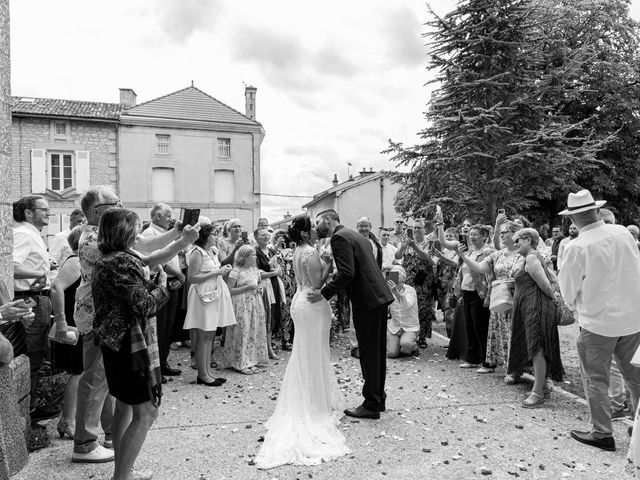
329 60
271 50
403 33
179 19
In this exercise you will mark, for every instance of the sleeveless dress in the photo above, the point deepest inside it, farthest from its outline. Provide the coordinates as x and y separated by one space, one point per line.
535 327
217 313
303 428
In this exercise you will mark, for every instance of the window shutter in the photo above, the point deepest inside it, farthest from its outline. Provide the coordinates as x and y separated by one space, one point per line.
83 182
38 170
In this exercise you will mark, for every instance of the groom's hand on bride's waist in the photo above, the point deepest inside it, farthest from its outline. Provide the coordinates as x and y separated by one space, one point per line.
314 295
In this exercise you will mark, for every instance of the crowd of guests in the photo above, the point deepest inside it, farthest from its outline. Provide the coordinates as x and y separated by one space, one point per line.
122 293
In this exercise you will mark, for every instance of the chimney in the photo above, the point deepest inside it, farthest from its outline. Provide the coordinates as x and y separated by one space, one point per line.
127 97
287 216
335 180
250 101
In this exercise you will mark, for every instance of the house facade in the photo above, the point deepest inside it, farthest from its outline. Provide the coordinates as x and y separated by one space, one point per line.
59 149
188 149
370 194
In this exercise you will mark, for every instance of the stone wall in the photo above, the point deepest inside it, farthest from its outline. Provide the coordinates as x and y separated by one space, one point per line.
6 220
98 138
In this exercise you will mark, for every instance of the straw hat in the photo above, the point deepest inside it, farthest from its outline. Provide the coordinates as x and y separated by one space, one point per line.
581 202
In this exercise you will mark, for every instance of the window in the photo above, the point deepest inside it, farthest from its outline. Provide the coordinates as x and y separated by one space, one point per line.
162 143
224 147
163 185
223 186
60 128
60 171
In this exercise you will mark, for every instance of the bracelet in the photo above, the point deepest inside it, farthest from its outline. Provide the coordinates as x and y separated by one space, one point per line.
59 315
439 224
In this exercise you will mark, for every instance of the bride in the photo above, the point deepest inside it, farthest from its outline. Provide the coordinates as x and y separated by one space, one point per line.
303 429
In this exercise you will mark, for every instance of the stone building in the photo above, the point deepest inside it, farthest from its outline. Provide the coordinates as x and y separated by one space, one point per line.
190 150
370 194
59 148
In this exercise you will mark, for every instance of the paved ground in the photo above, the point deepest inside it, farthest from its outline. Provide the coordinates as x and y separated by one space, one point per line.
442 423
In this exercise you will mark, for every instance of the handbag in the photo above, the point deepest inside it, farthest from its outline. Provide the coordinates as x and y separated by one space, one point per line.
208 290
501 300
564 316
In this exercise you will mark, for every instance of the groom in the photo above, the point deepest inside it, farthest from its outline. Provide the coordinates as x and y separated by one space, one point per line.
360 276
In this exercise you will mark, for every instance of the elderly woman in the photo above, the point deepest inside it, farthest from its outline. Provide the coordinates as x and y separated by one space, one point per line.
535 330
502 266
269 272
403 325
208 304
125 303
245 346
474 291
283 255
228 245
68 357
414 251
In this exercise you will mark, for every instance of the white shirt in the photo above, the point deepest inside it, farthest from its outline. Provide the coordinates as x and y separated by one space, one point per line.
561 247
154 231
600 279
59 248
29 251
404 313
388 255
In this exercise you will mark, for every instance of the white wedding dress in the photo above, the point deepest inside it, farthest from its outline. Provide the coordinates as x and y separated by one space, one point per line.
303 429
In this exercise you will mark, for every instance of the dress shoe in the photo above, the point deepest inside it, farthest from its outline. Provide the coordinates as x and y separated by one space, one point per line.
361 412
587 438
44 413
355 352
422 343
468 365
167 371
215 383
64 428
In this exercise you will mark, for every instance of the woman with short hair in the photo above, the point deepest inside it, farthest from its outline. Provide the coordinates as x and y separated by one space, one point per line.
245 346
125 303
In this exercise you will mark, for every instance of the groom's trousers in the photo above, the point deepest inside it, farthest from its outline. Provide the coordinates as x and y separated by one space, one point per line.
371 332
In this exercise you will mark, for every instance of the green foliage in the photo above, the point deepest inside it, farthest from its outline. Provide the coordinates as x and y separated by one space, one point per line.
532 101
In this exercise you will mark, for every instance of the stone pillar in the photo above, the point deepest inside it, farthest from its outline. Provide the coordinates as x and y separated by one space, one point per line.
13 450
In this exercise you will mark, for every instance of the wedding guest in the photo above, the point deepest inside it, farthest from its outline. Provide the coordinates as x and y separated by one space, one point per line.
573 234
270 288
556 237
419 266
283 256
448 264
388 250
209 303
227 246
396 235
534 338
125 303
59 248
245 347
404 325
67 357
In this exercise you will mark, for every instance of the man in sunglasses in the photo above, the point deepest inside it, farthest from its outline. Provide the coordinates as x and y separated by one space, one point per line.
32 284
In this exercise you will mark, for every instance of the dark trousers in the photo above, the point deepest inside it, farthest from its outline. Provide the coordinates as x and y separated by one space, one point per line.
166 318
371 332
477 322
36 336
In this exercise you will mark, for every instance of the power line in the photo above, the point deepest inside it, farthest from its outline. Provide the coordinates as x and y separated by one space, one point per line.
289 196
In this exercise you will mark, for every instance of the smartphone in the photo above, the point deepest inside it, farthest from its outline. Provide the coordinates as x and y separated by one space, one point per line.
29 302
189 216
245 236
410 233
501 211
394 277
464 240
438 210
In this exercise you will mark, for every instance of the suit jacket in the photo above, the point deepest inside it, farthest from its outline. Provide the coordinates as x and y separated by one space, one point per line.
358 272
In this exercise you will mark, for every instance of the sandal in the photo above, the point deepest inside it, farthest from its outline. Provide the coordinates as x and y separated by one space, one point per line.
247 371
422 343
511 379
255 370
533 401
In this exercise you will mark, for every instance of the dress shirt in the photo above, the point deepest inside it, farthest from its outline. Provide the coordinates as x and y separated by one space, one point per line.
600 279
404 313
155 231
561 247
388 255
29 251
59 249
88 254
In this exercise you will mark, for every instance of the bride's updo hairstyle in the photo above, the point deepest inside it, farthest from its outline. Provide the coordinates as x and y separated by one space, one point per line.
301 223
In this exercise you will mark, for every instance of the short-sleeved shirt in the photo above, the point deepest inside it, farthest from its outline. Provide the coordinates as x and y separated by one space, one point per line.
404 313
88 254
29 251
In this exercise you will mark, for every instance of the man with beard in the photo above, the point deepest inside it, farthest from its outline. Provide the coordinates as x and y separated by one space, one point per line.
573 233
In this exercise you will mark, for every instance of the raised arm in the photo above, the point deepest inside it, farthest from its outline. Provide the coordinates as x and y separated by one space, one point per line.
479 267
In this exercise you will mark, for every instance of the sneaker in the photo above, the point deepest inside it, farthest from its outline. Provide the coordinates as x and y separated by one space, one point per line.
97 455
108 444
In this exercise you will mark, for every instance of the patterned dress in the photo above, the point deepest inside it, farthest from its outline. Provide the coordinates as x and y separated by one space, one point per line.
284 258
421 276
504 267
535 327
246 342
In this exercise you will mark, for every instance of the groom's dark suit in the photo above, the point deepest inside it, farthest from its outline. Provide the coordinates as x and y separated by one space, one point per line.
361 278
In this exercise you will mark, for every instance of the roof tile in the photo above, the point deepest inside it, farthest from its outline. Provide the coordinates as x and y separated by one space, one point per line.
65 108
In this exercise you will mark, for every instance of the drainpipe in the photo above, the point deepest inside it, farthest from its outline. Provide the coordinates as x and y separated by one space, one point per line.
382 201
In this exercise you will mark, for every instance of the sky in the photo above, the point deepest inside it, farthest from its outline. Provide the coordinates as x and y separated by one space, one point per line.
336 79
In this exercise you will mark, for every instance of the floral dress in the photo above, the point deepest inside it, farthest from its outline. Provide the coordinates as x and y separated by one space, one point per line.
500 324
284 259
421 276
246 342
